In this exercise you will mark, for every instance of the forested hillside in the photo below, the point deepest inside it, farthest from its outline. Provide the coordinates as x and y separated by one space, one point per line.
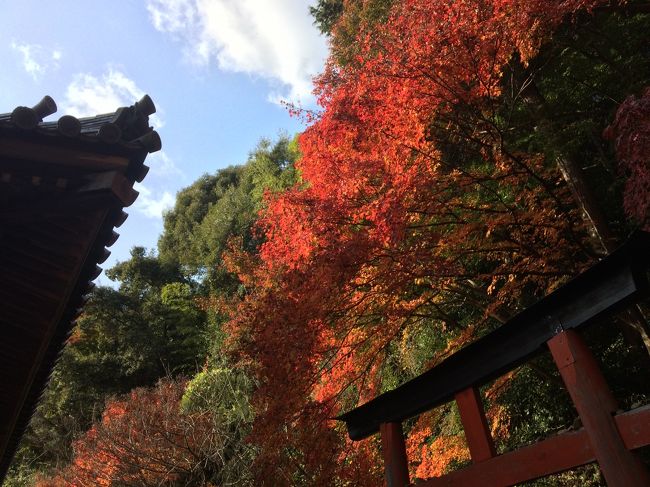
467 159
146 369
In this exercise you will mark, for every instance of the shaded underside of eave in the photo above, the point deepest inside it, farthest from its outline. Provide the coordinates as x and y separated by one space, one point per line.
69 156
55 225
88 142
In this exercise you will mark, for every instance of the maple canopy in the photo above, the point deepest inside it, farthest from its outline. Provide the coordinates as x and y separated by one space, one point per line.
442 190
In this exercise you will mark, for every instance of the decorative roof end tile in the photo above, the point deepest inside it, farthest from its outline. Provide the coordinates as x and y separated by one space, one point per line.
69 126
145 106
45 107
150 141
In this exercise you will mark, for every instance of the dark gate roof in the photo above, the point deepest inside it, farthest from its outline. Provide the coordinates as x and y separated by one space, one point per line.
63 185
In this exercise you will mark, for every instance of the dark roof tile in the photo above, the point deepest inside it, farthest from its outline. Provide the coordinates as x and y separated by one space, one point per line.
127 126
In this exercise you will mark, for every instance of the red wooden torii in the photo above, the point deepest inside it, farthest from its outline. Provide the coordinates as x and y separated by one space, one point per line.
616 283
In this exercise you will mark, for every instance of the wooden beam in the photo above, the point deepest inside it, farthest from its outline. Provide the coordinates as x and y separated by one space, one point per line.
477 432
120 218
35 270
74 206
45 153
62 255
114 182
394 450
19 253
22 311
595 404
41 239
634 427
552 455
18 280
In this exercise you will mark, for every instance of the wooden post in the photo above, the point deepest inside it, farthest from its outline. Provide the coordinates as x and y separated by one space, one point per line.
394 449
477 432
595 404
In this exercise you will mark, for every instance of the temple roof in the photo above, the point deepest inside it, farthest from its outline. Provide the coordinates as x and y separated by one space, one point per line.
127 127
63 187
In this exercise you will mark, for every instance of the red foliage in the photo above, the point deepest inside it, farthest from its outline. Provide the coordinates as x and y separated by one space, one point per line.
630 132
392 231
142 439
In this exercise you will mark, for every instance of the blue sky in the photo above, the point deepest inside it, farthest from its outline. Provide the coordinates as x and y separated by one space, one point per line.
216 69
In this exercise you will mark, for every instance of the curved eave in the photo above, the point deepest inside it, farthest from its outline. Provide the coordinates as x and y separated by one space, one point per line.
61 197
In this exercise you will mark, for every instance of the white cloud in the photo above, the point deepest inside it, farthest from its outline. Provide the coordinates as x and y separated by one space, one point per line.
36 59
90 95
275 40
163 166
153 205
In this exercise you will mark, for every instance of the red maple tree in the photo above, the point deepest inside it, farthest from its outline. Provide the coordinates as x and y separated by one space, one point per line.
631 134
143 439
413 215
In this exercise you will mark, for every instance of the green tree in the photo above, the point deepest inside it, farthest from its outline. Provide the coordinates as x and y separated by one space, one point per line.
149 328
179 242
347 21
326 13
217 208
165 302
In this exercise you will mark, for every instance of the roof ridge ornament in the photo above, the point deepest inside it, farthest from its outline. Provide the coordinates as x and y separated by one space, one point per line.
28 118
69 126
127 126
145 106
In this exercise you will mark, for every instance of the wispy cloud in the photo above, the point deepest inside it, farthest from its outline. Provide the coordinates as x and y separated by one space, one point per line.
36 59
163 166
275 40
153 203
